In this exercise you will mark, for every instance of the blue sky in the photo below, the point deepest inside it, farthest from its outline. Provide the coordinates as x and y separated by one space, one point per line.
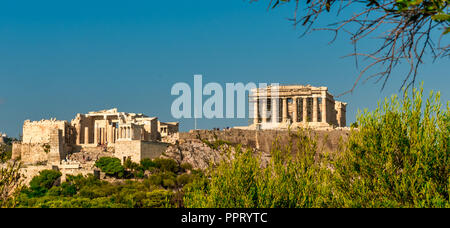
59 58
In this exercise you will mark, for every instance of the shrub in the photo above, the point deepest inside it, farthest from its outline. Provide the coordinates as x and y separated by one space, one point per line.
169 183
147 163
79 181
41 183
186 166
399 156
128 164
68 189
166 179
5 152
286 181
157 199
167 165
184 179
11 182
111 166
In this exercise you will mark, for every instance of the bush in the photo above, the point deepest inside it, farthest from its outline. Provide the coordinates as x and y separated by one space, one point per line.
166 179
166 165
128 164
111 166
5 152
399 156
41 183
88 192
185 179
285 182
147 164
186 166
66 189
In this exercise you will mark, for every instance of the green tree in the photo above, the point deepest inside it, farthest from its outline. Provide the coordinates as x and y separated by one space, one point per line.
11 182
5 152
286 181
398 157
111 166
166 165
147 164
43 182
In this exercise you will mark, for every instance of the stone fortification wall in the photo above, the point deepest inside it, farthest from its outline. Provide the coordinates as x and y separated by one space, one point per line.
138 150
39 131
50 150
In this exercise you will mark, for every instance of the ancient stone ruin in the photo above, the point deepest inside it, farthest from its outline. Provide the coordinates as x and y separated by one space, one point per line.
124 135
289 106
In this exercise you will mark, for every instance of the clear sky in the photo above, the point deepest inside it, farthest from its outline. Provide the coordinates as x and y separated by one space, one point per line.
59 58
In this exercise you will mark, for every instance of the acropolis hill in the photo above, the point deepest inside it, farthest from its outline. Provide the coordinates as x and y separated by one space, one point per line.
73 147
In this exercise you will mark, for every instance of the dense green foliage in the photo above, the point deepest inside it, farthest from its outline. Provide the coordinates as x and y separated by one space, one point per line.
41 183
285 182
162 188
398 157
5 152
11 182
90 192
111 166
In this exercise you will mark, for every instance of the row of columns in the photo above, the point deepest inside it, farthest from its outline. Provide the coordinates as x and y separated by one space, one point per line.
125 132
285 110
101 135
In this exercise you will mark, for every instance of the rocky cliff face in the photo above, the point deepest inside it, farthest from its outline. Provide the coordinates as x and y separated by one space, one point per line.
200 148
196 153
201 155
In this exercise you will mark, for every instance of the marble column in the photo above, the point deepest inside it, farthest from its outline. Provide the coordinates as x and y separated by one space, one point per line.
315 111
113 134
324 109
295 116
86 135
106 130
78 128
285 110
275 106
256 111
305 110
95 134
264 110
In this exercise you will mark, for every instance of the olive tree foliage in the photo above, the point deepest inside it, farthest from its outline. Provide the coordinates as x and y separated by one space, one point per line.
407 29
398 156
11 181
286 181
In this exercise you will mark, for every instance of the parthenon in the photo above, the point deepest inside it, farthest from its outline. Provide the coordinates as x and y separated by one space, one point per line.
277 107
